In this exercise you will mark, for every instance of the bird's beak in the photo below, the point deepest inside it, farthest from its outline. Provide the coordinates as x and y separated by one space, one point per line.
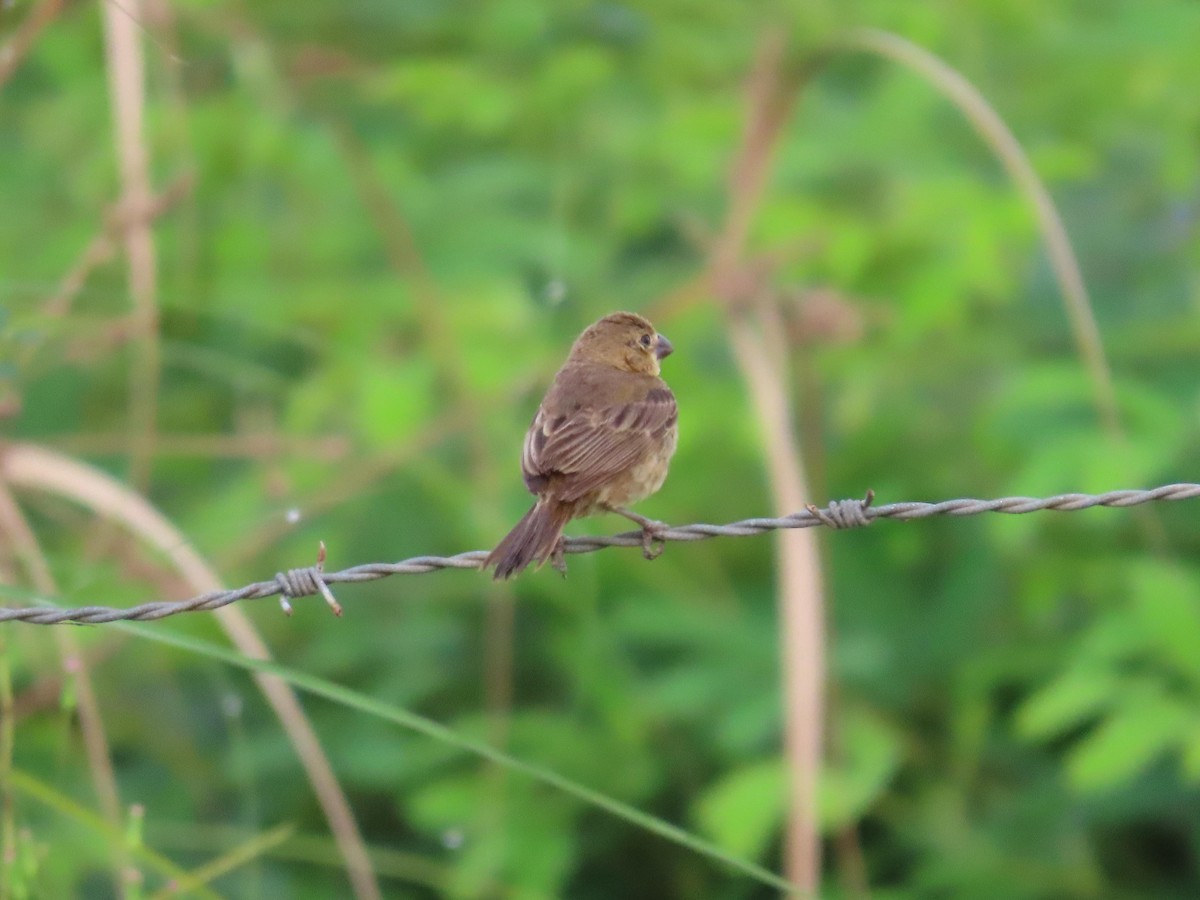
665 348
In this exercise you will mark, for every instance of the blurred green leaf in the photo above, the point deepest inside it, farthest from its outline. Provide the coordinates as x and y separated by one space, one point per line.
1135 733
1165 596
1191 755
1067 702
868 759
743 810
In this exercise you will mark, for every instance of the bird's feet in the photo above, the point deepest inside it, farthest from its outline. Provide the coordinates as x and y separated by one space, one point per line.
558 558
652 529
652 544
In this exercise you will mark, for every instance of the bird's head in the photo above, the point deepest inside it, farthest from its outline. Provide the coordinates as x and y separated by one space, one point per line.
625 341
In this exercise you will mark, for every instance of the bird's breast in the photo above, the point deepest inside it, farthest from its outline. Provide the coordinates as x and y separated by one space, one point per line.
644 477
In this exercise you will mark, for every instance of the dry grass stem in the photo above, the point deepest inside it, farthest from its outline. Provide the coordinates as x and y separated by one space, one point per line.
91 723
127 89
1010 153
14 52
739 284
36 468
801 606
1061 253
101 247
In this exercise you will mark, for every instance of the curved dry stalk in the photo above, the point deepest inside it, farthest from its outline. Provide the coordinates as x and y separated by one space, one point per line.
33 467
992 129
91 723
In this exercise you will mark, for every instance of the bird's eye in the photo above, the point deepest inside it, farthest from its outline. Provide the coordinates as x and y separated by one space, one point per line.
646 341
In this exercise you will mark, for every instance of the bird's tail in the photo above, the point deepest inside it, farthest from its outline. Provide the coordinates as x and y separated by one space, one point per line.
533 539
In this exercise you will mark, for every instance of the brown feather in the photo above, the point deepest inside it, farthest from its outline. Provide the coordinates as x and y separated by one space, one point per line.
580 451
532 539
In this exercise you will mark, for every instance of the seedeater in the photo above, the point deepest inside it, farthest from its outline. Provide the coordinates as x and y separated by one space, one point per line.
602 439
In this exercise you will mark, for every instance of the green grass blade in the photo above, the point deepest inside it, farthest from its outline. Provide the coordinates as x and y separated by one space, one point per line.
388 712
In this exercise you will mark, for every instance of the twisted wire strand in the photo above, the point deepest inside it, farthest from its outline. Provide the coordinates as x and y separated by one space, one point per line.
310 580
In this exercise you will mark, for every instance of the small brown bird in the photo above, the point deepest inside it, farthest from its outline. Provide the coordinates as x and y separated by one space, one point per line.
602 438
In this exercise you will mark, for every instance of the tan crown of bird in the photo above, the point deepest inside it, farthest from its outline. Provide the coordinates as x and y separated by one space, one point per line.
602 438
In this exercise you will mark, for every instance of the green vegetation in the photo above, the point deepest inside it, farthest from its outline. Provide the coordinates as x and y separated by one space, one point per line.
378 226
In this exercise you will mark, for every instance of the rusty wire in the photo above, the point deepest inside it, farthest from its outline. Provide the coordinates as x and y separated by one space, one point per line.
310 580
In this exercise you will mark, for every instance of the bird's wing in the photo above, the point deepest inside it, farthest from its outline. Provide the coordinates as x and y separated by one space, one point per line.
588 447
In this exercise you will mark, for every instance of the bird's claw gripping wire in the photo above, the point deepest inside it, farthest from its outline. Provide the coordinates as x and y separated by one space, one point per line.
652 542
558 557
652 529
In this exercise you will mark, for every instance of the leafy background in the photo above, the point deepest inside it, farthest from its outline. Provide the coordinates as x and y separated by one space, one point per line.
394 219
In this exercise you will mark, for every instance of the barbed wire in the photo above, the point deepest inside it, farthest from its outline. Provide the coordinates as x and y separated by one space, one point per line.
311 580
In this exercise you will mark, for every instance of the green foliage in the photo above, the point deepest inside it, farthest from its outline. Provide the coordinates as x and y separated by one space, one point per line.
401 215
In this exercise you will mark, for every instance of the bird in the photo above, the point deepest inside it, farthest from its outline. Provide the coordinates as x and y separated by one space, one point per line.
602 439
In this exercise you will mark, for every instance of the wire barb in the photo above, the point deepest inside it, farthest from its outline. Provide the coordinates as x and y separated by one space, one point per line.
304 582
845 513
839 514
